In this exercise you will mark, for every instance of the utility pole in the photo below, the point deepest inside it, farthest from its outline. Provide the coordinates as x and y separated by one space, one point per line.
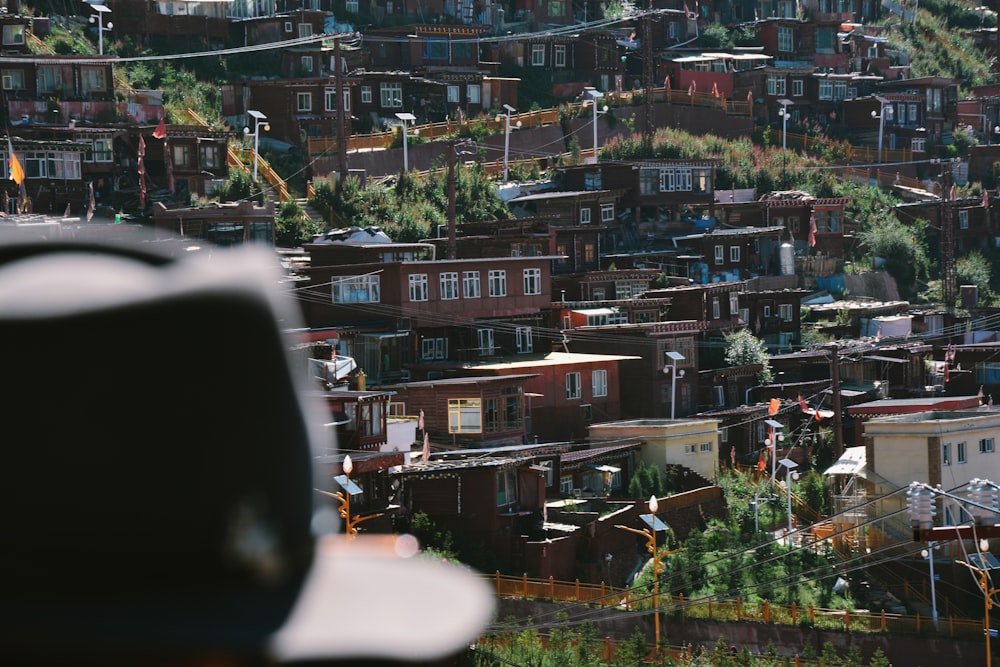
341 112
452 232
838 420
647 72
947 239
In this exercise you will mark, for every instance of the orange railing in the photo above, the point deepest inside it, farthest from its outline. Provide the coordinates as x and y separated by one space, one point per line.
731 609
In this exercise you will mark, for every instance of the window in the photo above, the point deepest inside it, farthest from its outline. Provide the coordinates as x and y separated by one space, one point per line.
555 8
537 55
734 253
913 112
785 311
464 415
840 90
918 145
724 434
449 286
13 79
720 254
573 390
963 219
775 85
506 487
559 55
288 26
366 94
825 89
734 303
986 446
584 216
102 148
705 447
433 348
435 49
472 93
960 452
690 449
355 289
329 99
470 284
532 281
649 181
453 95
13 34
599 382
716 308
589 253
797 88
303 102
767 311
522 340
592 180
306 64
92 80
418 286
498 283
486 346
49 79
946 455
566 485
352 6
607 212
745 315
208 155
390 95
181 155
305 30
786 40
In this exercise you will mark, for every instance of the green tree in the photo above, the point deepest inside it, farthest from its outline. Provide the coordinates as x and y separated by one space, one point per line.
903 249
292 227
975 269
744 349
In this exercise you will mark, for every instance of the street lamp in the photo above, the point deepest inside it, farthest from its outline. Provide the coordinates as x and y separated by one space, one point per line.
101 27
594 96
258 118
771 442
654 524
674 357
881 114
789 465
344 498
985 584
506 139
928 553
783 112
406 118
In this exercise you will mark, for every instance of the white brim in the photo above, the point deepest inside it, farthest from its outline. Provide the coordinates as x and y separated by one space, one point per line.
362 599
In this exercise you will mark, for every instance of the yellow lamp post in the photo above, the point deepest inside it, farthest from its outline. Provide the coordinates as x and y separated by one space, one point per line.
654 524
344 498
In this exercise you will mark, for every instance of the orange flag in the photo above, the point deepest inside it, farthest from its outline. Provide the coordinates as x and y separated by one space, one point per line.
773 406
16 170
762 463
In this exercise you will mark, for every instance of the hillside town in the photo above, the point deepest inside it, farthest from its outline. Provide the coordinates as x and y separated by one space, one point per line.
635 330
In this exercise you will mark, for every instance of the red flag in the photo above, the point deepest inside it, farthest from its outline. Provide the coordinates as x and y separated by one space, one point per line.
986 199
715 90
68 211
666 82
749 97
812 230
951 194
427 448
693 87
762 462
732 455
161 130
420 422
92 206
803 404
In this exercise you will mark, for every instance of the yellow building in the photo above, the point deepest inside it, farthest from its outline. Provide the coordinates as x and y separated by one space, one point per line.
692 443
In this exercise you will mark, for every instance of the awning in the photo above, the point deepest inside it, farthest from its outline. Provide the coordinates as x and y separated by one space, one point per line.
394 334
891 360
851 462
334 369
596 311
606 468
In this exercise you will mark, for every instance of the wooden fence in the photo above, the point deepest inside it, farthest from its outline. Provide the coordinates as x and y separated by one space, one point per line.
732 609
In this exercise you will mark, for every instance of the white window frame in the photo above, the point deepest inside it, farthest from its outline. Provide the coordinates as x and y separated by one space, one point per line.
734 303
465 415
306 63
497 281
417 286
607 212
960 452
946 454
538 55
305 30
716 308
574 391
734 253
454 95
471 286
584 216
986 446
720 254
798 88
532 282
963 219
559 55
487 344
599 382
786 39
356 289
449 285
366 94
785 311
391 95
303 102
473 93
523 341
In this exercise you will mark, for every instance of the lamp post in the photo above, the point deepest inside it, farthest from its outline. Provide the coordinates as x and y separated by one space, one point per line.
789 465
405 118
344 498
985 585
594 96
928 553
771 441
654 524
783 112
258 118
881 114
506 139
101 27
674 357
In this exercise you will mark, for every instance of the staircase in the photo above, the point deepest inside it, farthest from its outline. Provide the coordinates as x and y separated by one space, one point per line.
312 212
